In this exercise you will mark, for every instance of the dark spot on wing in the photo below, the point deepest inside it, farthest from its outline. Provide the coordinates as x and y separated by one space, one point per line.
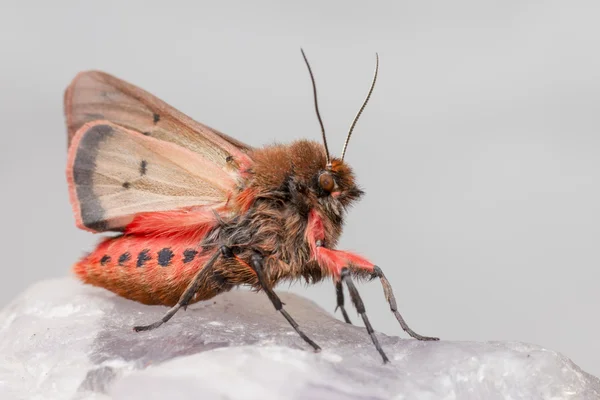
229 159
123 258
143 166
164 257
92 213
93 116
156 118
99 226
105 259
146 133
143 257
188 255
126 185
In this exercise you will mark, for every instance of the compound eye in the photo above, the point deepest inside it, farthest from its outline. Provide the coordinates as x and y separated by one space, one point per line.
326 181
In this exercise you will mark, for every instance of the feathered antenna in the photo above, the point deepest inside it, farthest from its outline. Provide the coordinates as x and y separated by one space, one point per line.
312 78
362 107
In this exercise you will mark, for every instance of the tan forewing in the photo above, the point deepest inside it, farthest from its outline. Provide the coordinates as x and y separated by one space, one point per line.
115 173
95 95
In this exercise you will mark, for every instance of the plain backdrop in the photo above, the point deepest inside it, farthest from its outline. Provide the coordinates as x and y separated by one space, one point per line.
479 152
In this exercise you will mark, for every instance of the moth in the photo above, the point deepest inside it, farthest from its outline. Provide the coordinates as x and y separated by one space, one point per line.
196 212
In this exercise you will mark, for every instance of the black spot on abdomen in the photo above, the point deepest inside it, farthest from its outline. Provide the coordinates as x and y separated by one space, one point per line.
164 257
156 118
143 257
126 185
105 259
188 255
123 258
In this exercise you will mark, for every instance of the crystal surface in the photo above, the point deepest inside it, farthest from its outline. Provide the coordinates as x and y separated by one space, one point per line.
61 339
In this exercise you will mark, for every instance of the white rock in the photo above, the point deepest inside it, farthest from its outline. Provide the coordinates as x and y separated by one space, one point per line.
63 340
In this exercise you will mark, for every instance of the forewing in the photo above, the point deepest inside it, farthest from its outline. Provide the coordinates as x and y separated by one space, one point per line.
115 173
95 95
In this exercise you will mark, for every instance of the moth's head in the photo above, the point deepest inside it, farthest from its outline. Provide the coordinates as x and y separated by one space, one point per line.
335 184
303 171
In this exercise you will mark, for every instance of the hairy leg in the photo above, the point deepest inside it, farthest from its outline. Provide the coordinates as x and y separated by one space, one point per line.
256 263
339 291
360 307
389 295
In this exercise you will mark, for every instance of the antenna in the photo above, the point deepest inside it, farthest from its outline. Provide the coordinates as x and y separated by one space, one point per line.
362 107
312 78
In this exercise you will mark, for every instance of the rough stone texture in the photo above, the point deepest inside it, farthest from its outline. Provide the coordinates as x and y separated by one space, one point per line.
63 340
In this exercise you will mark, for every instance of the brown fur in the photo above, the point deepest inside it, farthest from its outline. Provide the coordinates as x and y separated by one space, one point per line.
279 192
285 181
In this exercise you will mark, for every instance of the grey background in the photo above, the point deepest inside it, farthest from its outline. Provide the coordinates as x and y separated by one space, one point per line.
480 150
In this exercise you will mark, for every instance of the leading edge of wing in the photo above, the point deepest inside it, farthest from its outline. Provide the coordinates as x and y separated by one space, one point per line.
95 95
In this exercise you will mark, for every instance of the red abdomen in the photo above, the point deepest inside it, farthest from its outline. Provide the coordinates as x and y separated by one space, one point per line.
150 270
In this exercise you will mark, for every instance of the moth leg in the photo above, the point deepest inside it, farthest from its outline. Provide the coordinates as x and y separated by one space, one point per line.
389 295
360 307
339 291
257 265
187 295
